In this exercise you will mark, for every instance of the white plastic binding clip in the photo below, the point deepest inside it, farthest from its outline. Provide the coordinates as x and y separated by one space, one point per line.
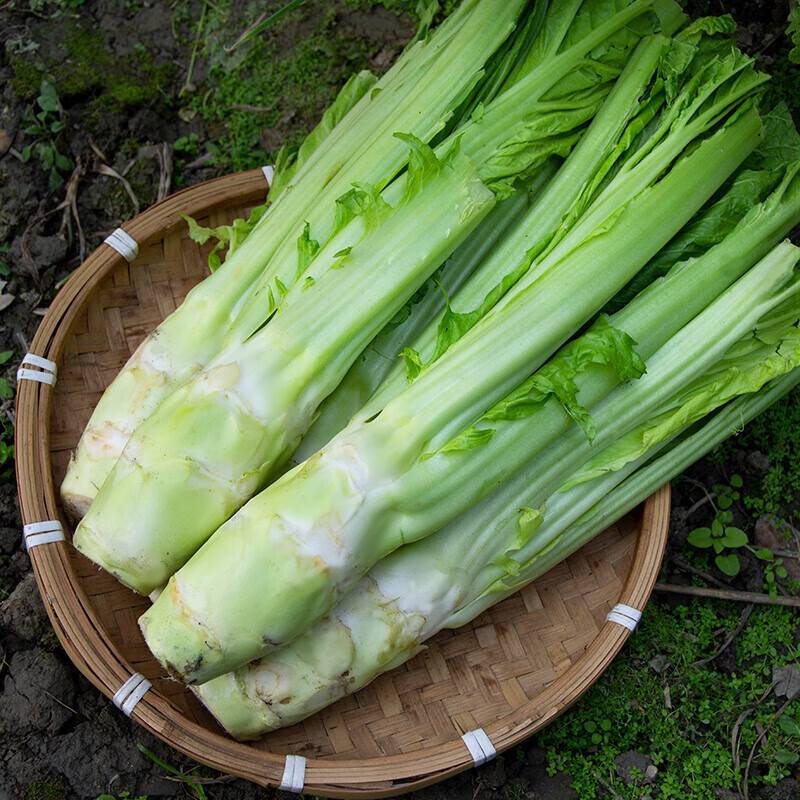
269 173
479 745
37 533
46 373
294 774
123 243
131 692
627 616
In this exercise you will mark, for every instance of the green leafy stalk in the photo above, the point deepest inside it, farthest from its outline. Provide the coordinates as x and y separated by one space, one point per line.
371 367
416 96
512 537
313 533
216 465
218 438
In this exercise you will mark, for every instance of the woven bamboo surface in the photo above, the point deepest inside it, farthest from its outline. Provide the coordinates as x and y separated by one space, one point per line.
510 672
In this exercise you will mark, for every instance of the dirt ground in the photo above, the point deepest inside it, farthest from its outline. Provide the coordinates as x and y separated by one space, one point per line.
61 737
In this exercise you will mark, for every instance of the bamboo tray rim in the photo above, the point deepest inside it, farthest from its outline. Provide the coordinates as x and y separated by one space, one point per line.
83 636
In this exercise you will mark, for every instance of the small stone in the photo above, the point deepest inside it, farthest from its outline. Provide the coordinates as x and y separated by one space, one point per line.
758 462
659 663
636 769
786 680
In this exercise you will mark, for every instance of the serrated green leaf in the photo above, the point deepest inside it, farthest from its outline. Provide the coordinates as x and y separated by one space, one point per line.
729 564
794 32
413 363
62 162
472 437
307 248
601 345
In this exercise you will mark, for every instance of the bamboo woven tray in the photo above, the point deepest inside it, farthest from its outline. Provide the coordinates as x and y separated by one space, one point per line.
510 672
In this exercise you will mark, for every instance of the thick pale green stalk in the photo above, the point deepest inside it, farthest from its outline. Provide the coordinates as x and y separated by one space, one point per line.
214 441
214 467
449 578
415 96
599 504
371 367
557 201
311 535
647 323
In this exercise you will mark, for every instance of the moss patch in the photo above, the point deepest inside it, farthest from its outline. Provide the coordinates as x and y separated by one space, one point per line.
291 73
79 63
52 789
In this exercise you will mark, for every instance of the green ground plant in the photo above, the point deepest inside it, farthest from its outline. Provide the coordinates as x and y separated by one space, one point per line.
5 267
655 700
45 123
775 434
6 428
251 89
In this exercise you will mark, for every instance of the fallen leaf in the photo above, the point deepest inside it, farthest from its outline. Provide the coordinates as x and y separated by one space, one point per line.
786 679
659 663
6 300
5 141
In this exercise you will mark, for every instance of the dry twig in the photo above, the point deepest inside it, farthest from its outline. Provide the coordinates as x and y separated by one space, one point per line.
761 735
69 207
704 575
104 169
735 743
728 594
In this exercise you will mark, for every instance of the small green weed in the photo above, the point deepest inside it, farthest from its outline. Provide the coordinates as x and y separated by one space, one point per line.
122 796
197 787
722 535
48 8
776 434
5 267
46 125
6 428
52 789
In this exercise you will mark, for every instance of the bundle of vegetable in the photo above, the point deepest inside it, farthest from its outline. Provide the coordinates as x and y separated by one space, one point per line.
439 583
354 141
493 549
219 437
399 475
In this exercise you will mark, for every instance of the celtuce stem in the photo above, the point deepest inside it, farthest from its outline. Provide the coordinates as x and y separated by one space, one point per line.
415 96
315 532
